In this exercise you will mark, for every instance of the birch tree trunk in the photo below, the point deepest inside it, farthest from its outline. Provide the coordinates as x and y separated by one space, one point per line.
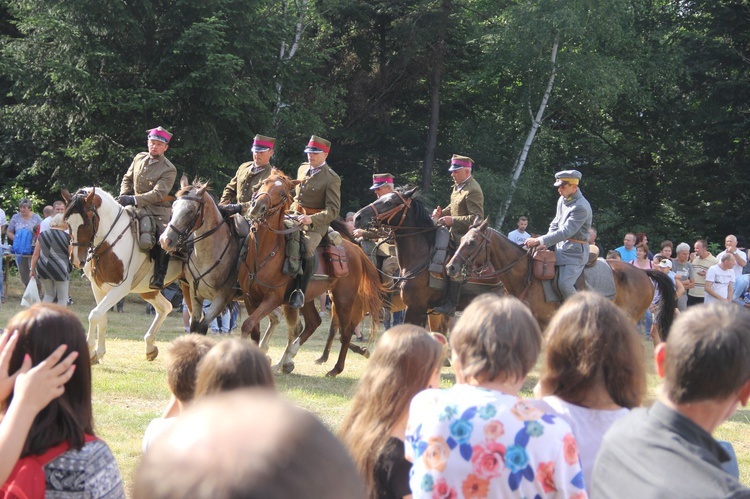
521 161
286 54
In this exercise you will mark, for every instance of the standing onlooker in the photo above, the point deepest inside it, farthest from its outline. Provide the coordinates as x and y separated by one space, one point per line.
519 236
406 361
627 250
642 261
593 234
684 271
701 261
720 280
84 466
593 371
25 219
642 238
667 449
667 248
3 226
50 261
740 256
49 212
478 438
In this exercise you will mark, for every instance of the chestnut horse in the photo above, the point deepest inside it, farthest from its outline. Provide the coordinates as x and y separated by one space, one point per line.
266 287
101 233
211 267
484 251
414 234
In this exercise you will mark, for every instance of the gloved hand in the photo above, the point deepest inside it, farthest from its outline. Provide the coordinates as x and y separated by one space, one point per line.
126 200
230 209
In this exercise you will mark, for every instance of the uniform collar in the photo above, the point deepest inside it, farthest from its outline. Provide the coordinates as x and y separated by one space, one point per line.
460 186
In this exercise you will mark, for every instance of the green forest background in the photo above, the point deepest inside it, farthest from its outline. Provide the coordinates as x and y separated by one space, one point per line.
649 98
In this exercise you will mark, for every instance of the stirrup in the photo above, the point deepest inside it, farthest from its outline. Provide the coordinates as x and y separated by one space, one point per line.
297 299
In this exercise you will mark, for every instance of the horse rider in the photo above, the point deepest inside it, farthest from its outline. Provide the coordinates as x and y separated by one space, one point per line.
316 203
569 231
381 253
466 206
239 191
146 185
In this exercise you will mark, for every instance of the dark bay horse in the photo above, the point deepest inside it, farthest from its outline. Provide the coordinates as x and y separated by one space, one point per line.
484 251
101 234
211 267
266 287
414 234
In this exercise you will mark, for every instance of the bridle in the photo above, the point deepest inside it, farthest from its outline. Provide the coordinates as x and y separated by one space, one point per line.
480 271
385 219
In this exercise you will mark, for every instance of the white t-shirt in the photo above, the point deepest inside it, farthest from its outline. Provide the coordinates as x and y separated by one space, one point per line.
3 220
738 255
721 280
589 427
154 429
45 224
519 237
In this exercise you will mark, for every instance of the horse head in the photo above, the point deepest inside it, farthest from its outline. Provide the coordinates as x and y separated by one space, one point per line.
473 251
274 195
188 211
82 215
388 210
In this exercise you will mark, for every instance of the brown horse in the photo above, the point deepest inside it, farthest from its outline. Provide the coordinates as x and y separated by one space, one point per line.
484 251
414 233
265 286
211 267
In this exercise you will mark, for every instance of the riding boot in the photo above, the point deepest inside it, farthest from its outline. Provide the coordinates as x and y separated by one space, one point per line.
161 262
448 307
297 298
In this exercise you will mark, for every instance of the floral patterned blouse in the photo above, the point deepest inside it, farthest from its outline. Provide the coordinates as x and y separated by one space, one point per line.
473 442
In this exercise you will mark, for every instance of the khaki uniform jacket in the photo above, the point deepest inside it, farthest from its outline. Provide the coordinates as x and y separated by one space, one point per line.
151 184
321 192
466 205
244 184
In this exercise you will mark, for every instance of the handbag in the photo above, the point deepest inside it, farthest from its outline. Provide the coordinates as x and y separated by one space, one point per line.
31 294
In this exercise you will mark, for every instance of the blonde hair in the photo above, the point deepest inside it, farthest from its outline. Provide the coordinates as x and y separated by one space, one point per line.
496 339
58 220
405 359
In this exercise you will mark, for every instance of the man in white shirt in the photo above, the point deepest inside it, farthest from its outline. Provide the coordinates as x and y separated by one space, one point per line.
57 207
740 257
720 280
519 236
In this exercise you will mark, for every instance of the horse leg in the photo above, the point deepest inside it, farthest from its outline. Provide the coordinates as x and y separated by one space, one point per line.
312 321
218 304
197 324
163 307
273 321
97 332
255 315
350 314
415 315
332 329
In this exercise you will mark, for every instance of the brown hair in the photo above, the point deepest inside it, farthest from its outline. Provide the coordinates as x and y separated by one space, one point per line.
405 359
496 339
644 247
666 243
707 353
639 236
590 342
269 449
183 356
232 364
614 255
41 329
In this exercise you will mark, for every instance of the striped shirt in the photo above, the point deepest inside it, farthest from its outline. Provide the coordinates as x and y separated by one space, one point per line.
53 255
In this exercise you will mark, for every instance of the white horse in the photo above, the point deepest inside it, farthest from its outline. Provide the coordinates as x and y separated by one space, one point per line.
103 237
212 263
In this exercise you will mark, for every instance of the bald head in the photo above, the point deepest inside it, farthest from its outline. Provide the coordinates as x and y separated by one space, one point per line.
247 444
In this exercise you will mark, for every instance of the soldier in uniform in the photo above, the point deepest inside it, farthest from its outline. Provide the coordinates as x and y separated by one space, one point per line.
239 191
147 184
382 254
316 203
569 231
466 206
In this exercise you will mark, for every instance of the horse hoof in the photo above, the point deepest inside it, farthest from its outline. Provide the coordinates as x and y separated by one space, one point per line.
365 353
321 360
94 359
331 374
447 362
152 354
287 368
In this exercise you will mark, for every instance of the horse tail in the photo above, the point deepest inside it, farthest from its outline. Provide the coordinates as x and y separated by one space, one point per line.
370 292
668 302
342 228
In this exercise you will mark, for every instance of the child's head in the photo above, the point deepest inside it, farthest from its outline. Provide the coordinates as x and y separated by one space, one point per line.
496 339
41 329
231 364
183 356
591 342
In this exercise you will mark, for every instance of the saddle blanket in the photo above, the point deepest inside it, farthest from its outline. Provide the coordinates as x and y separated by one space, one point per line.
599 278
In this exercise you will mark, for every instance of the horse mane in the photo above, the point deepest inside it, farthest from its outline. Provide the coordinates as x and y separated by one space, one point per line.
75 204
422 213
342 228
197 184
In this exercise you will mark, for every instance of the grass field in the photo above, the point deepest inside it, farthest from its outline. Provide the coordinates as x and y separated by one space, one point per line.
128 391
